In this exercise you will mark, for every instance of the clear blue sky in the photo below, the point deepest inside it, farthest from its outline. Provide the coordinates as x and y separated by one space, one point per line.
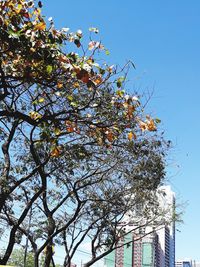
163 40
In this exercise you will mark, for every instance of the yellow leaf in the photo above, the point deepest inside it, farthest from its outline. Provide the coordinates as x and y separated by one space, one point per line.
76 85
57 131
19 7
37 11
130 136
35 115
40 26
59 85
41 100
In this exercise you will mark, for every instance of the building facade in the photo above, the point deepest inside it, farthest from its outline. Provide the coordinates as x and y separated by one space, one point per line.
156 249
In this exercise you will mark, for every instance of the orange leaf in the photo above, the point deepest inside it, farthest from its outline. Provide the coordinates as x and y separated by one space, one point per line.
130 110
110 136
98 80
130 136
151 125
40 26
70 129
59 85
56 152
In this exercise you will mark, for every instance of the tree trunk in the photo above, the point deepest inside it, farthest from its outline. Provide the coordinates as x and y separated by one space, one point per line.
36 260
49 255
49 247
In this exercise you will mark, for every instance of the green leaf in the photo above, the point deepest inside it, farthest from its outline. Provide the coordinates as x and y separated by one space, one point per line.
120 81
102 71
14 34
107 52
49 69
157 120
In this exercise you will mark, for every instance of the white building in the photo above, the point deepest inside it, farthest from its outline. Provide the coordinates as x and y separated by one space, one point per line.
166 235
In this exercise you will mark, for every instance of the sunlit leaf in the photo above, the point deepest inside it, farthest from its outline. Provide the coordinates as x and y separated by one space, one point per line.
120 93
41 100
40 26
57 131
98 80
93 29
107 52
59 85
56 152
151 125
49 69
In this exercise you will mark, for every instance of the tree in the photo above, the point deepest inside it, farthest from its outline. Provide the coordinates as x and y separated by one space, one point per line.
17 259
77 151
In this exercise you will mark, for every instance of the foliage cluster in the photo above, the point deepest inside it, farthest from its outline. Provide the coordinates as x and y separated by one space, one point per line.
77 151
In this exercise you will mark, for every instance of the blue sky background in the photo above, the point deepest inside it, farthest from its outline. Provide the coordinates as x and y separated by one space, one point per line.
162 38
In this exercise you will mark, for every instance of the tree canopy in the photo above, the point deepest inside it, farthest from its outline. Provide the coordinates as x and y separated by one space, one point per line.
78 152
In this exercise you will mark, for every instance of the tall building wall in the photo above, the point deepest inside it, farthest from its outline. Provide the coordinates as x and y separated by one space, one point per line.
153 250
109 260
128 250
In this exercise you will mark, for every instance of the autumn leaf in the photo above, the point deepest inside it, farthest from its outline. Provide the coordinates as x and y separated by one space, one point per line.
110 137
157 120
70 129
40 26
19 8
143 126
56 152
59 85
151 125
83 76
98 80
130 136
130 110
